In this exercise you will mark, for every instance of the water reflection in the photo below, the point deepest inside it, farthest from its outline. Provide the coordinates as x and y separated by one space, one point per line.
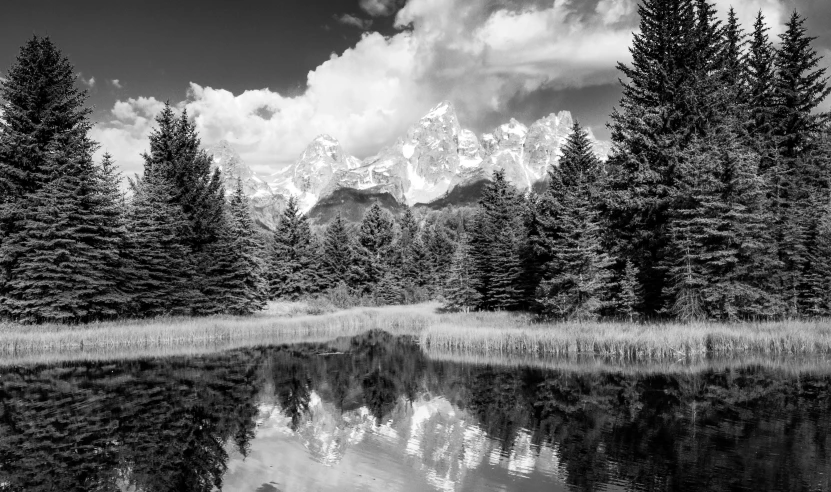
374 413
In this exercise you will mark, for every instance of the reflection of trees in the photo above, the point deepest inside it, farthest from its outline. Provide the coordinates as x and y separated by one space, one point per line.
162 425
157 425
650 431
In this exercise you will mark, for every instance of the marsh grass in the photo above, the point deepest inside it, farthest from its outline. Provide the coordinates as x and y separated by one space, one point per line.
489 335
504 334
170 336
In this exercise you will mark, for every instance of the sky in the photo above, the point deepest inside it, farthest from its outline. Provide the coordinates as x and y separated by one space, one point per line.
269 76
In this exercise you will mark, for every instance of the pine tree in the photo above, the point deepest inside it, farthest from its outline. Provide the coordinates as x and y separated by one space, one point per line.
461 292
440 248
293 270
240 287
43 112
495 246
577 281
60 224
799 175
628 295
337 258
67 270
375 246
720 258
157 265
675 62
760 74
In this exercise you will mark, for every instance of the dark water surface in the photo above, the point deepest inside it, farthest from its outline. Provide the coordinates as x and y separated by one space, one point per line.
374 413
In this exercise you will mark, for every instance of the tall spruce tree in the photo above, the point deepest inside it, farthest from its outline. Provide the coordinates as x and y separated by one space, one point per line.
375 246
495 245
760 75
675 61
338 254
799 176
239 286
293 268
721 259
159 267
59 213
577 280
43 112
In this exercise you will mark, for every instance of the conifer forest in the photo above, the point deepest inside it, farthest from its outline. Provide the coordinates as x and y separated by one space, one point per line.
714 204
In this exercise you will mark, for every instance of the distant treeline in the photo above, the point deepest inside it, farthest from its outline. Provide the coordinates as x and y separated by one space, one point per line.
714 204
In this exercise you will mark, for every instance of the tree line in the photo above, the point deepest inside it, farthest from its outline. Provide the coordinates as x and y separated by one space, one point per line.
715 204
75 248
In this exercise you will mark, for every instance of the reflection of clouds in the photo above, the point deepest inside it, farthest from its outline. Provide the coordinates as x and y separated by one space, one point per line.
425 444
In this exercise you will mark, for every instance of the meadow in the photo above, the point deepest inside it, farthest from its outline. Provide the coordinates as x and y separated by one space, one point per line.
489 335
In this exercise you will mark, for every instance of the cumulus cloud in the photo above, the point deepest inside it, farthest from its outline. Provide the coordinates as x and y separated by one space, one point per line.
90 82
354 21
479 54
116 83
380 8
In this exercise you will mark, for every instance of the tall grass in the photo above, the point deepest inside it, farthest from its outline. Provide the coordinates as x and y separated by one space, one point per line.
166 336
495 333
474 334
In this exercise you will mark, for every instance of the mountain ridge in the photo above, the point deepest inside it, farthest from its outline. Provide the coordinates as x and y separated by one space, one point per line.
421 168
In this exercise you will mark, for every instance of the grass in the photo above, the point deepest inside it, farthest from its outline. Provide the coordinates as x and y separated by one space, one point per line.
504 334
487 335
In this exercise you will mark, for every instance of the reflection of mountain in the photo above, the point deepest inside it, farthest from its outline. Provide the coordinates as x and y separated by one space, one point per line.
462 427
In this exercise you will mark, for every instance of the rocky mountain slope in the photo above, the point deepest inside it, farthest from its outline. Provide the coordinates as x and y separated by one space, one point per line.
432 165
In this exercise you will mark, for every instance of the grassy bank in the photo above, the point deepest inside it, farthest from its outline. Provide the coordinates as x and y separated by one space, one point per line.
173 336
503 334
488 335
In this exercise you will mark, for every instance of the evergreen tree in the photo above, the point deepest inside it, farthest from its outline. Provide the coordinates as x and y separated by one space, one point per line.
577 281
720 258
60 224
799 175
42 113
67 269
760 74
157 265
176 157
375 246
238 274
293 270
337 258
461 292
628 295
440 248
495 245
675 62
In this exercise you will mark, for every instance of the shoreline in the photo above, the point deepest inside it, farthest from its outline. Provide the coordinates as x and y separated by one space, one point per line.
471 335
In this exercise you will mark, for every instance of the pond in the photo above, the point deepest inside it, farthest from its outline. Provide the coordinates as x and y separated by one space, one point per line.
374 412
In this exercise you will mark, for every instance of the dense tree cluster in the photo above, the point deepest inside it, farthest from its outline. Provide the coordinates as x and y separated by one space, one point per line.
715 203
74 247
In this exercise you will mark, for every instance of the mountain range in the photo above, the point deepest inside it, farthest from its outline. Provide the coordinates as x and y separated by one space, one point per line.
436 163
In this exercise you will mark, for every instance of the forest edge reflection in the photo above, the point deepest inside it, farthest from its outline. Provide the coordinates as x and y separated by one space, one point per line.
169 424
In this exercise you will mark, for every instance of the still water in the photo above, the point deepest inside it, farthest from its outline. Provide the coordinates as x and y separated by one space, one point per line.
375 413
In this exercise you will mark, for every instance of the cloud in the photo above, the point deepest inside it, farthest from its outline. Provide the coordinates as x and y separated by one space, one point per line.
116 83
90 82
351 20
482 55
775 12
380 8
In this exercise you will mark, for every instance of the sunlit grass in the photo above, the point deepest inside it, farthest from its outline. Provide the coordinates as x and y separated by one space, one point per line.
495 333
485 335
